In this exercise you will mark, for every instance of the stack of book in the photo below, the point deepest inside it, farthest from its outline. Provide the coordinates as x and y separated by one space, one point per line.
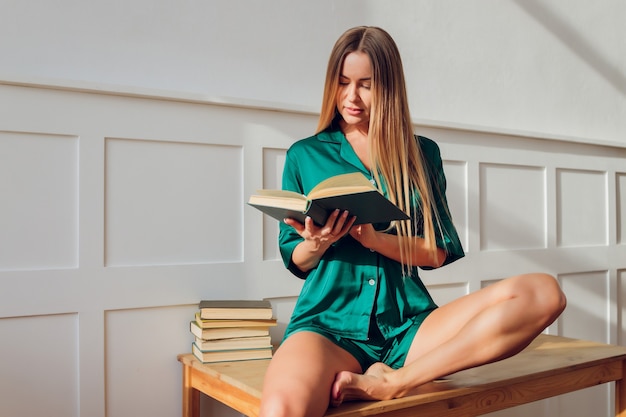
232 330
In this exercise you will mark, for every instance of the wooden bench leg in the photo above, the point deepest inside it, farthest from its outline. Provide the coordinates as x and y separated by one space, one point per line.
191 396
620 393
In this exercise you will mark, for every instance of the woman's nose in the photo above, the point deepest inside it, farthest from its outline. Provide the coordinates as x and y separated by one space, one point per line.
352 92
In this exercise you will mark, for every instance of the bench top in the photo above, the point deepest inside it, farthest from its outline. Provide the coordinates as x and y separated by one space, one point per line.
535 373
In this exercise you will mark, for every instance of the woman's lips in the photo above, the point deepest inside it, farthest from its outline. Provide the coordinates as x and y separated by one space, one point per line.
353 110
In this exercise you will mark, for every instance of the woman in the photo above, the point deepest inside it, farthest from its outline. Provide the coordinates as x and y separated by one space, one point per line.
364 326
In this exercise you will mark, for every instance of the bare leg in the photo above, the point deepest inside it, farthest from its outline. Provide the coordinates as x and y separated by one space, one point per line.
301 373
488 325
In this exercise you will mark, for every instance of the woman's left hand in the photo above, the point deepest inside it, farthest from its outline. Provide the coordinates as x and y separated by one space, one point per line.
365 234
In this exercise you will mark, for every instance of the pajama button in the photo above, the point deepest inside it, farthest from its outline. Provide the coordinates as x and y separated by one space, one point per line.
371 282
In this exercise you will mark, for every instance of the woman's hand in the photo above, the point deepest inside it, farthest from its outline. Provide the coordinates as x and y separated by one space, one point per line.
318 239
387 244
337 225
365 234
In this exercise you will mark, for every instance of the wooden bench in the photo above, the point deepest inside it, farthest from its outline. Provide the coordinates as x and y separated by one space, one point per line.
550 366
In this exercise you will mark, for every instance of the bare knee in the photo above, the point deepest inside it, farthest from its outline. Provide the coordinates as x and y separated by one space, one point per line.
277 405
546 298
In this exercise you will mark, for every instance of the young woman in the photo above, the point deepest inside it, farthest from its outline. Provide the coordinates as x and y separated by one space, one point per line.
364 326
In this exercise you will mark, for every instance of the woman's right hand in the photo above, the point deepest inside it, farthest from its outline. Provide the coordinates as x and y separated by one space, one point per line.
317 239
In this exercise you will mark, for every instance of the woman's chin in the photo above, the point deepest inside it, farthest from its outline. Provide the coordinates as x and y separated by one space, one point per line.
352 120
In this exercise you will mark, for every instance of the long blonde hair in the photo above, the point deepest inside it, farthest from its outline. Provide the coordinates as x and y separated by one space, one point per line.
396 157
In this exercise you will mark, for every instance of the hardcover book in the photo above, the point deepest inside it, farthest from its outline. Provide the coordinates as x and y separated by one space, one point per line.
352 192
221 323
230 355
234 343
235 309
227 332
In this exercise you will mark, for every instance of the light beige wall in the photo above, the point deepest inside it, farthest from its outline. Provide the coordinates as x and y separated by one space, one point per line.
120 123
554 68
120 213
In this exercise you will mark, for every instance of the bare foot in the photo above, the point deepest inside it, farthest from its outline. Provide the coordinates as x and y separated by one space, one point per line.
374 384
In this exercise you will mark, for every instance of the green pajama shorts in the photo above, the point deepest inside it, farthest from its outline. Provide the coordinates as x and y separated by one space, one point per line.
392 351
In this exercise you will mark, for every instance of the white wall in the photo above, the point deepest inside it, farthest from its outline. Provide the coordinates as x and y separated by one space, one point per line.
120 123
120 213
556 68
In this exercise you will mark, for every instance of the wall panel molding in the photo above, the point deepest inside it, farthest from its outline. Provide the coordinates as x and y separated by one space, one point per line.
39 212
121 211
166 201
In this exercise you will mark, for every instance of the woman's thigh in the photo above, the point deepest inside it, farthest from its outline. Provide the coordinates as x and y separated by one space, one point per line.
301 373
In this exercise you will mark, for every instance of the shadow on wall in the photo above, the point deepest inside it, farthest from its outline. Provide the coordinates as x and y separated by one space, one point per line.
575 42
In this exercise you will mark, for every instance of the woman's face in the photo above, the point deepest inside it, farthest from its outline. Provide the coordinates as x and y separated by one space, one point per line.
354 96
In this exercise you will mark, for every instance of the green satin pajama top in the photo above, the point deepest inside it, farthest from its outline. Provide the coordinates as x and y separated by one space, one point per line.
353 287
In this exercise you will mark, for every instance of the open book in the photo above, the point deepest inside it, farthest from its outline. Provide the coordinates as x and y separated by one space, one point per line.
352 192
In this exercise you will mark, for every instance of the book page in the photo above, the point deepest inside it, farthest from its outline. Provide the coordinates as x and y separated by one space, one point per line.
287 200
281 194
351 183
